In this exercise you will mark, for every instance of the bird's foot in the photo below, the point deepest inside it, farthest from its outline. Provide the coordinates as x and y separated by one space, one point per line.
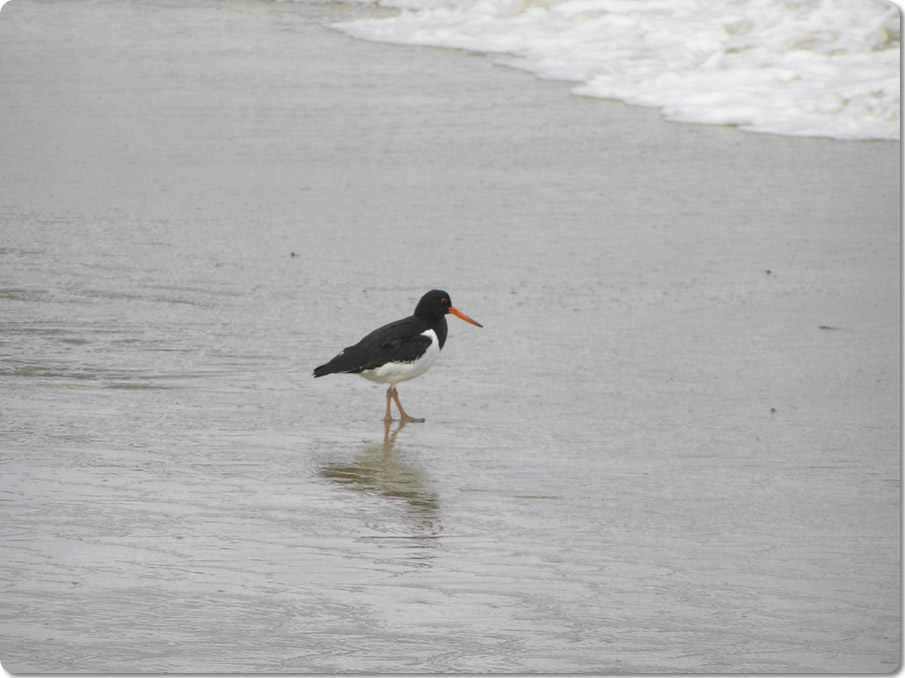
405 419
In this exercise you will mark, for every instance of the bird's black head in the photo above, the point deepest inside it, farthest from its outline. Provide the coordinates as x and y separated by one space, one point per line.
436 304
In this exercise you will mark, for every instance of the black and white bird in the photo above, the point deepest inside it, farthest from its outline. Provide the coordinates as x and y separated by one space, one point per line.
400 350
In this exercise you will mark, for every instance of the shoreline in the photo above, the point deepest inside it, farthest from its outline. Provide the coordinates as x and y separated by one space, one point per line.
692 63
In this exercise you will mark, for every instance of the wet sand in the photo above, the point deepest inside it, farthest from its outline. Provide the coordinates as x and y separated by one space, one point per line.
673 447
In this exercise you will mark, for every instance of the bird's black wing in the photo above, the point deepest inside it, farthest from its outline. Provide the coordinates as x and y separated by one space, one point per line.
399 341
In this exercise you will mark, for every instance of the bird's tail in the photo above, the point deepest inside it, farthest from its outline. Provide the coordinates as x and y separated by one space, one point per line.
340 363
322 370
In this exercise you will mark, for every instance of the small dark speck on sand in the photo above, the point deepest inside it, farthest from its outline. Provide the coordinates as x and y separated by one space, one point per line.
827 327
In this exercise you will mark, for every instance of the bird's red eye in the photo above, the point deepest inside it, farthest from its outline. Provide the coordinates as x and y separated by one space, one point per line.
444 300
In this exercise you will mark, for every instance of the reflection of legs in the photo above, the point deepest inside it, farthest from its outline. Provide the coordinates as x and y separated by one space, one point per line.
394 394
389 439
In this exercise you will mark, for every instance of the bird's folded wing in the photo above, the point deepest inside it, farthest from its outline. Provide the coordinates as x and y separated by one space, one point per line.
400 341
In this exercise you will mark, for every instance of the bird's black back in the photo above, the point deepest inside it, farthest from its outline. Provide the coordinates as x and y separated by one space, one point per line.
399 341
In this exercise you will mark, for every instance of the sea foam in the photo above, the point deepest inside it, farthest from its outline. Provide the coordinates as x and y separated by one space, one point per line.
823 68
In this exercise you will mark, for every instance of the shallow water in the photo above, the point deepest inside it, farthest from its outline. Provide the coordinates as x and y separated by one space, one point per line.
673 447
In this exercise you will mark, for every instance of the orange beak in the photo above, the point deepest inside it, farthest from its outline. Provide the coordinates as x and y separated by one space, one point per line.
464 317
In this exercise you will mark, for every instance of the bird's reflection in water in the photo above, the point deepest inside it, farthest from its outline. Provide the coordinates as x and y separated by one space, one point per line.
379 470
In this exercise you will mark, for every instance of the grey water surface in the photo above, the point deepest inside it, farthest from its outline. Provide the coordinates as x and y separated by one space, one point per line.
674 445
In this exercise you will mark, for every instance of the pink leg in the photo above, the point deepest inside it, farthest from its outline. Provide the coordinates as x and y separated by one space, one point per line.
395 394
389 415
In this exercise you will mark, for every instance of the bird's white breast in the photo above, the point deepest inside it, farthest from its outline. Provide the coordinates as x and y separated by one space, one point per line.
393 373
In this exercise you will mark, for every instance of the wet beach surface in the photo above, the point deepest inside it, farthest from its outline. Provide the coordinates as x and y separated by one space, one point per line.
673 447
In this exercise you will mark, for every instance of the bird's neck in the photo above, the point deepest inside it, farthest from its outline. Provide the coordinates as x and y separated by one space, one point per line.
440 329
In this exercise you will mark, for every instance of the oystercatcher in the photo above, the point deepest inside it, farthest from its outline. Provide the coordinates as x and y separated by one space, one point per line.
401 350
